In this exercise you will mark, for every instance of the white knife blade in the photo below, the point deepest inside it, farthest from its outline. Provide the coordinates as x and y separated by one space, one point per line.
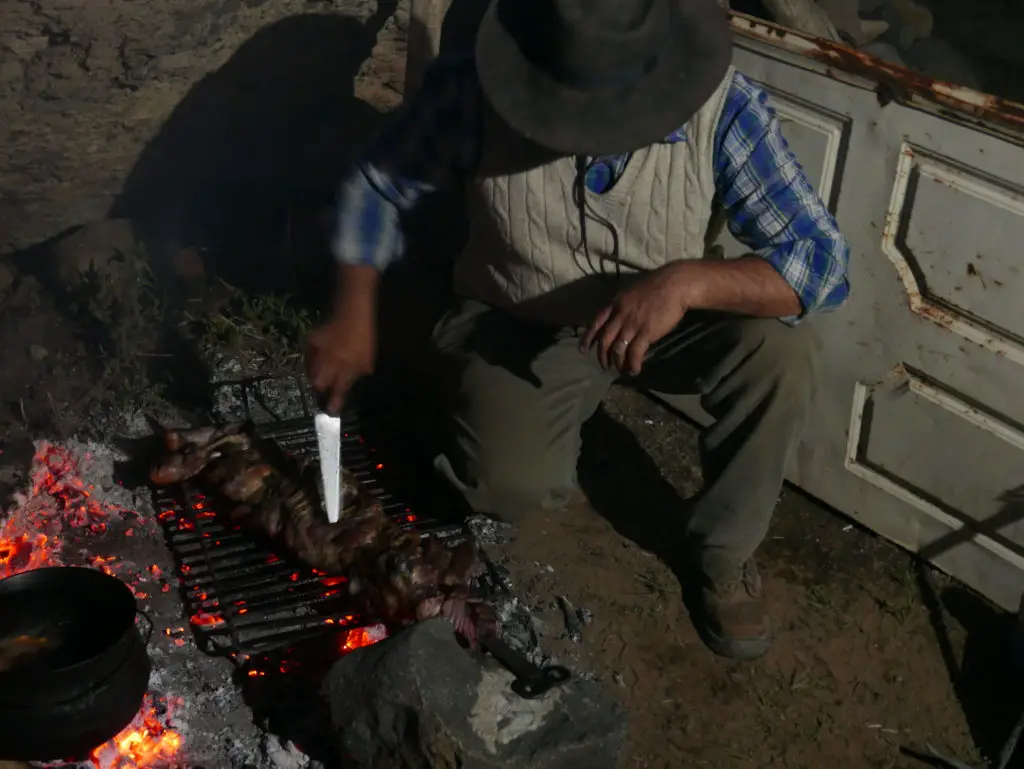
328 438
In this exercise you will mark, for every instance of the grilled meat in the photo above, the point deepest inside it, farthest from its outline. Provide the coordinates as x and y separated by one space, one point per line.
393 575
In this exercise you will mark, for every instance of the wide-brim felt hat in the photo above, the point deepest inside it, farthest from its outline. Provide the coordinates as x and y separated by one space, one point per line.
599 77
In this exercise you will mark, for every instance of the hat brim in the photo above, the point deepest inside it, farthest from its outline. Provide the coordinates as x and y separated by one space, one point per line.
614 120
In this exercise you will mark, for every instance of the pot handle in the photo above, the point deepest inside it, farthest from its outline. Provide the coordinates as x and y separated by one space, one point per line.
152 626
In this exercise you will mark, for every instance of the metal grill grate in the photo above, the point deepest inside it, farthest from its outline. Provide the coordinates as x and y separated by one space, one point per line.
241 596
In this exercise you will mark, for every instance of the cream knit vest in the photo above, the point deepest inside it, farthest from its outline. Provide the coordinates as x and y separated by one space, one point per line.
524 252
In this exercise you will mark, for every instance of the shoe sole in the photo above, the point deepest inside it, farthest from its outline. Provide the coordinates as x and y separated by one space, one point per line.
742 649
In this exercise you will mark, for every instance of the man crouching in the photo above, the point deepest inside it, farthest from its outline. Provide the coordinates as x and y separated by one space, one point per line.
599 140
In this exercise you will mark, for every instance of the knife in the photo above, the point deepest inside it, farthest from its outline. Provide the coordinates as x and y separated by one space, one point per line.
328 438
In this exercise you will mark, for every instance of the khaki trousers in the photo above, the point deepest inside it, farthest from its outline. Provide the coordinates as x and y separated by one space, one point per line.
520 394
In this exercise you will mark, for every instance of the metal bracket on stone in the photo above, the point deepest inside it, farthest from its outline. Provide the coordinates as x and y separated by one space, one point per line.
420 700
532 681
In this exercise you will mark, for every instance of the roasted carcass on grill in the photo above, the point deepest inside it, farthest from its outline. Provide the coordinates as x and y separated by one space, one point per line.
393 574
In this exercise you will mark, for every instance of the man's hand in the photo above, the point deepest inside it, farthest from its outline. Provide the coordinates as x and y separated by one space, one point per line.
638 317
656 303
344 350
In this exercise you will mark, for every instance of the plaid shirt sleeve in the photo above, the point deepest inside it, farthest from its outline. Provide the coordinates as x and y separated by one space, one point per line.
772 208
433 140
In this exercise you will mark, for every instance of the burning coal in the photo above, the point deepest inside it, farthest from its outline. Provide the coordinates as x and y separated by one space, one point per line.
146 742
57 497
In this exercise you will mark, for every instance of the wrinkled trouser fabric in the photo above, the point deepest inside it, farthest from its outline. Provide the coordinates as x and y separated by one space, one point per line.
520 394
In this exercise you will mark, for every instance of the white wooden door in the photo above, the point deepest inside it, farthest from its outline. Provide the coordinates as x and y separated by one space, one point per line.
919 429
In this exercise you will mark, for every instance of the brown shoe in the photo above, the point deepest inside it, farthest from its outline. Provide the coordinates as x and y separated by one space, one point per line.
731 618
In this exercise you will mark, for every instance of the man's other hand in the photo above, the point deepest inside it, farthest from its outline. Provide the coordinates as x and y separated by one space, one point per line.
638 317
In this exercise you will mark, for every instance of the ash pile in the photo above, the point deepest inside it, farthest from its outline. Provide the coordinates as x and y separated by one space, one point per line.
324 687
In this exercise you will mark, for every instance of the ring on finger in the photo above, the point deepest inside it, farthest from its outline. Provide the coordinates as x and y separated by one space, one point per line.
623 343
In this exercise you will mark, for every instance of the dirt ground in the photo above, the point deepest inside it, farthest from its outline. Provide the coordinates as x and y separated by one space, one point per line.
873 650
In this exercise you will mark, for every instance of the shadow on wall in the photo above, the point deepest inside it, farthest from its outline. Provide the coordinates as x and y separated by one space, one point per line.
271 129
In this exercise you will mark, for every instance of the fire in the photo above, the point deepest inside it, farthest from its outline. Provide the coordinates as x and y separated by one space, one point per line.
146 742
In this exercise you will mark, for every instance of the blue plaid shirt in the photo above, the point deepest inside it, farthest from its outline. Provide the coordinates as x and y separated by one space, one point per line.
771 207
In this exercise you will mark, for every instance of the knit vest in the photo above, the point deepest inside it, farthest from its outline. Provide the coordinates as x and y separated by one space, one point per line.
524 252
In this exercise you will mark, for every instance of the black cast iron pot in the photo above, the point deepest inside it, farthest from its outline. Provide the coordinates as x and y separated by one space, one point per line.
88 681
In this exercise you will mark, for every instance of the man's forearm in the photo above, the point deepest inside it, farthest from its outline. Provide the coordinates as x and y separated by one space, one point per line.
775 212
748 286
355 287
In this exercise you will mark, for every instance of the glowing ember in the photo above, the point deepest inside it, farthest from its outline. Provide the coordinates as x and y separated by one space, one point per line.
359 637
203 619
22 552
57 498
103 564
148 741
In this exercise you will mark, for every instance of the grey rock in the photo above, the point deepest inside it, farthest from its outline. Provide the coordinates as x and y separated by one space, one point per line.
420 701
